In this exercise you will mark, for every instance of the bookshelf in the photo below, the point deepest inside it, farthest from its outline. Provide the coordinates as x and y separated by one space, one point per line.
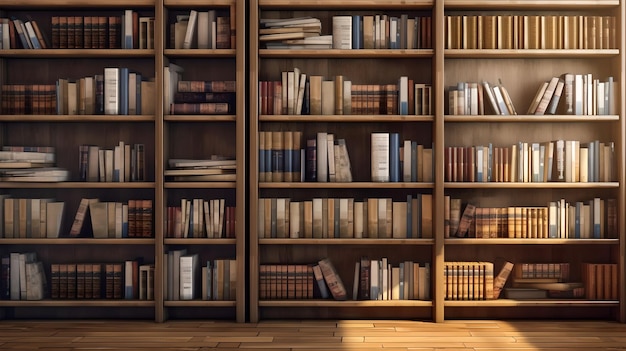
164 137
520 69
267 64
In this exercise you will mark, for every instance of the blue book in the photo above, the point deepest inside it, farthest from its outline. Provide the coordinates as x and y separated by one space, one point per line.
262 161
394 157
288 160
578 213
357 32
123 108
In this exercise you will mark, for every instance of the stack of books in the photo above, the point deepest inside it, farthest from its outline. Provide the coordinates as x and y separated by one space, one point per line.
30 164
216 168
294 33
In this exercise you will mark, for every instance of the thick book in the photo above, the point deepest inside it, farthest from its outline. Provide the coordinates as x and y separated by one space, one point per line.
500 280
380 157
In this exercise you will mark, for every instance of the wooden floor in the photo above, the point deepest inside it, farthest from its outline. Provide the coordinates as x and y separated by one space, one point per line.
358 335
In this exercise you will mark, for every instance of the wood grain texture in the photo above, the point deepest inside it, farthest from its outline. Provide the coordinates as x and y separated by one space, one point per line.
363 335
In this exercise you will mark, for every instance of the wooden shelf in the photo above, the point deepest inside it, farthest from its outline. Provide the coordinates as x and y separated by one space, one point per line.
352 185
77 241
77 303
340 241
344 304
521 241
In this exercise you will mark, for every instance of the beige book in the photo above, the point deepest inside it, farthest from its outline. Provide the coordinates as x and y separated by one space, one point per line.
315 94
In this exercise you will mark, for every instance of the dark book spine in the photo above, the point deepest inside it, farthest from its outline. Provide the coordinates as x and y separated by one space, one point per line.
5 278
191 97
205 108
199 86
99 94
310 174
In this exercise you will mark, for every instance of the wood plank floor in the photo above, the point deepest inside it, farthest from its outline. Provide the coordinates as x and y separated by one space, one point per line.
361 335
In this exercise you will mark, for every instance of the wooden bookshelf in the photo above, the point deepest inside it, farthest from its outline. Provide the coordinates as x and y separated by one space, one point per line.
164 136
520 70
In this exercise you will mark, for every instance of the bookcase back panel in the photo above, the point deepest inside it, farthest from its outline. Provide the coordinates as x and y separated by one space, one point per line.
359 71
36 71
507 134
197 140
525 312
422 313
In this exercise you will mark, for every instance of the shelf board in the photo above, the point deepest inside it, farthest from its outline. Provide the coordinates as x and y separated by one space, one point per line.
526 303
79 4
344 241
78 303
78 185
343 304
536 185
198 3
347 53
77 53
347 4
199 303
529 53
199 185
200 118
200 53
529 118
199 241
345 118
529 4
76 241
77 118
352 185
520 241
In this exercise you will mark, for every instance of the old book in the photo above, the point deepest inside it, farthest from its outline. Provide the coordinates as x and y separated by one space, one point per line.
82 218
467 219
333 280
380 161
500 280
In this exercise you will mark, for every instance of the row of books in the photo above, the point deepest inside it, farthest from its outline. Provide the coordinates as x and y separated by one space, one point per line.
469 280
378 279
16 33
393 161
103 32
28 99
200 218
530 32
130 280
472 98
299 94
122 163
282 158
116 92
100 219
592 219
346 218
182 96
30 218
583 95
382 31
22 277
215 168
552 161
210 29
187 280
552 280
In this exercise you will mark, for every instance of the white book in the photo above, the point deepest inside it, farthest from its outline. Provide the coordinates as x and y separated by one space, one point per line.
403 95
111 90
188 276
190 34
342 32
54 216
380 157
127 30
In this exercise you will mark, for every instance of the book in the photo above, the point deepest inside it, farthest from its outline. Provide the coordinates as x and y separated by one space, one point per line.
380 157
500 280
82 218
333 280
